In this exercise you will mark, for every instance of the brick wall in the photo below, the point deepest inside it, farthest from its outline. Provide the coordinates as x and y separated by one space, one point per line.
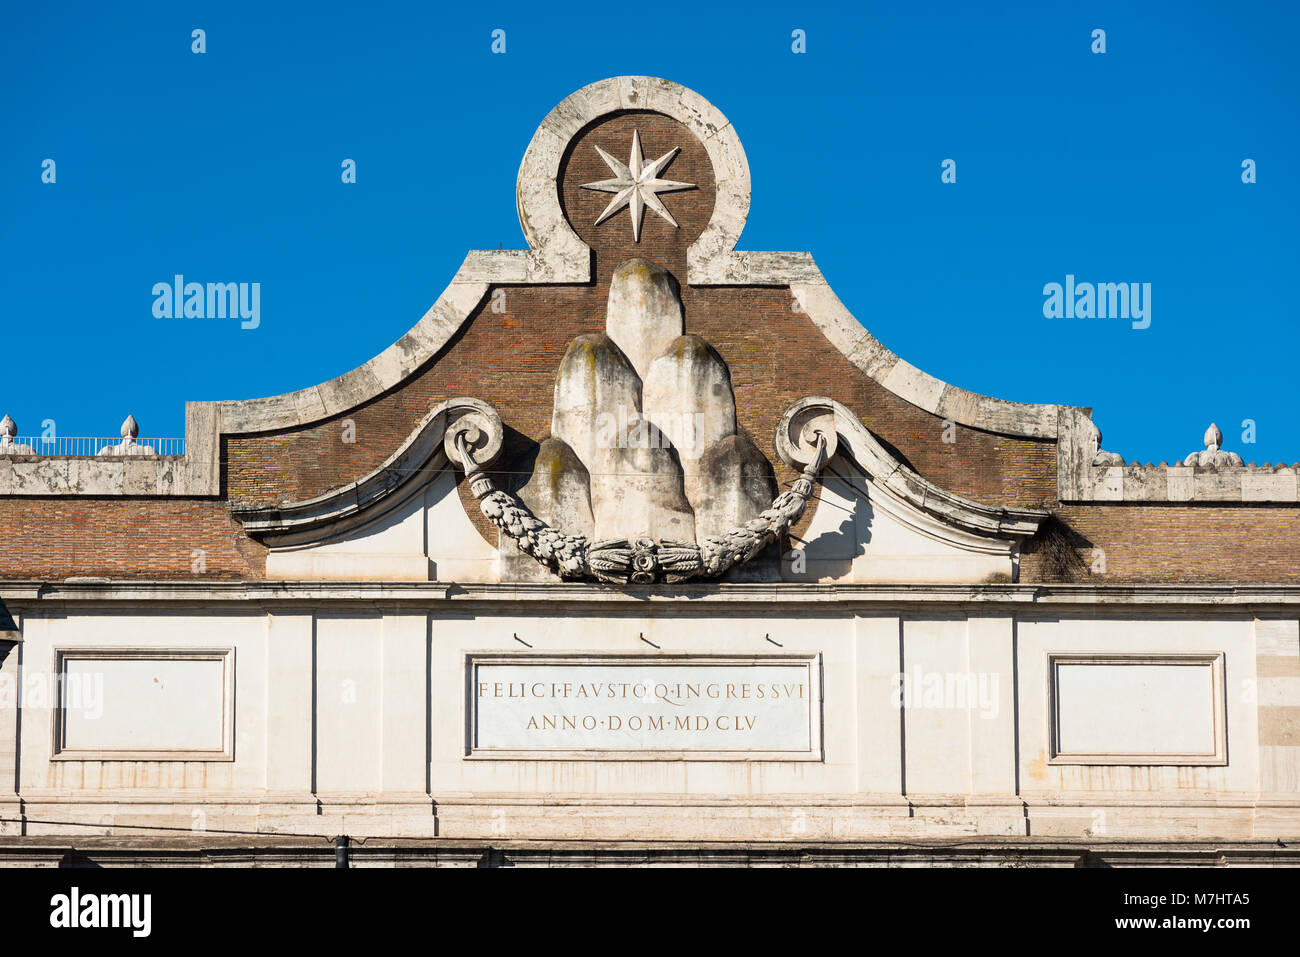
1182 543
56 538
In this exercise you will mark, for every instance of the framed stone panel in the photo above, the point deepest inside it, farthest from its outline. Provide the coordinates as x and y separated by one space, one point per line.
634 707
1137 709
143 704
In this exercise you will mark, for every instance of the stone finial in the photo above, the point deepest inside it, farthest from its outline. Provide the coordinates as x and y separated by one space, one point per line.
1213 456
1213 438
128 446
8 431
1101 457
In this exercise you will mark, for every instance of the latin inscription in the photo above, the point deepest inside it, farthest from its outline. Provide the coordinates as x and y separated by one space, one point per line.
731 706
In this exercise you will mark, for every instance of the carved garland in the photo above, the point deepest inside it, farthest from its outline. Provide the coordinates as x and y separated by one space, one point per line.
640 561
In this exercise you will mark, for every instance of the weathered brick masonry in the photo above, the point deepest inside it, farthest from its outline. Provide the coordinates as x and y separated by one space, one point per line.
49 539
1186 543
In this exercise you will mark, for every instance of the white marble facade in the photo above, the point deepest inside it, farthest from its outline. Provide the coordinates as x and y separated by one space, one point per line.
885 714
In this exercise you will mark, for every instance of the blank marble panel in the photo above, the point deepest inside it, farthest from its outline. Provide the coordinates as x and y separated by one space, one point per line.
123 704
1137 709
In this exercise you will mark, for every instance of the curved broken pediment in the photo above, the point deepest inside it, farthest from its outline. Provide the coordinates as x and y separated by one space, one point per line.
646 474
345 508
818 415
812 431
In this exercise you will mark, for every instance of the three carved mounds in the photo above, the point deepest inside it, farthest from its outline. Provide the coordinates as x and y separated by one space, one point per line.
698 494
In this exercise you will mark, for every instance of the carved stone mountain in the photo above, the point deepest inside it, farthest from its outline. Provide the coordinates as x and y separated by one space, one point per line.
643 437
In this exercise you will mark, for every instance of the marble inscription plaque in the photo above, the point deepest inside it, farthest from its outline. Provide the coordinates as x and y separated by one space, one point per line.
722 708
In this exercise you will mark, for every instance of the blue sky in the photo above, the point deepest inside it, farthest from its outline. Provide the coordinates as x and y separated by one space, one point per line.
1115 167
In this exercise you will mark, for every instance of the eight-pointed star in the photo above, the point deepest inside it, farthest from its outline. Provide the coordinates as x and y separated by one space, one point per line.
636 184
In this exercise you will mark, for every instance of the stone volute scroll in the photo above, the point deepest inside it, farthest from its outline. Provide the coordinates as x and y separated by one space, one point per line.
816 420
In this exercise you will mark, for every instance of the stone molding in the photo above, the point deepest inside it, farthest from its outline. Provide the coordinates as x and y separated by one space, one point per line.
224 655
1215 704
21 597
426 451
814 296
823 415
282 849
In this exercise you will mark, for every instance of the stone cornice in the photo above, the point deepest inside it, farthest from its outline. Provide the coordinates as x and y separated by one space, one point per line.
283 849
20 596
816 298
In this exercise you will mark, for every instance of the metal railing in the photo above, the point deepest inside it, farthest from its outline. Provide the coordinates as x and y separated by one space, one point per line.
68 446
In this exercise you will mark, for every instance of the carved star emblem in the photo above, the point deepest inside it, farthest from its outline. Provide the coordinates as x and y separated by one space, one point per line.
635 185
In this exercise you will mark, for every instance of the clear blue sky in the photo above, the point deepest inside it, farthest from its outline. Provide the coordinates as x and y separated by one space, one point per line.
1124 166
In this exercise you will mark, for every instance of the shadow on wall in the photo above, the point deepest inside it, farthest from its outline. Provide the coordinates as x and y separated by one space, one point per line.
1056 550
833 545
8 633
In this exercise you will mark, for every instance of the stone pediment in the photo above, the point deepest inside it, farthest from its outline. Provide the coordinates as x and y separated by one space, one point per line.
646 472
